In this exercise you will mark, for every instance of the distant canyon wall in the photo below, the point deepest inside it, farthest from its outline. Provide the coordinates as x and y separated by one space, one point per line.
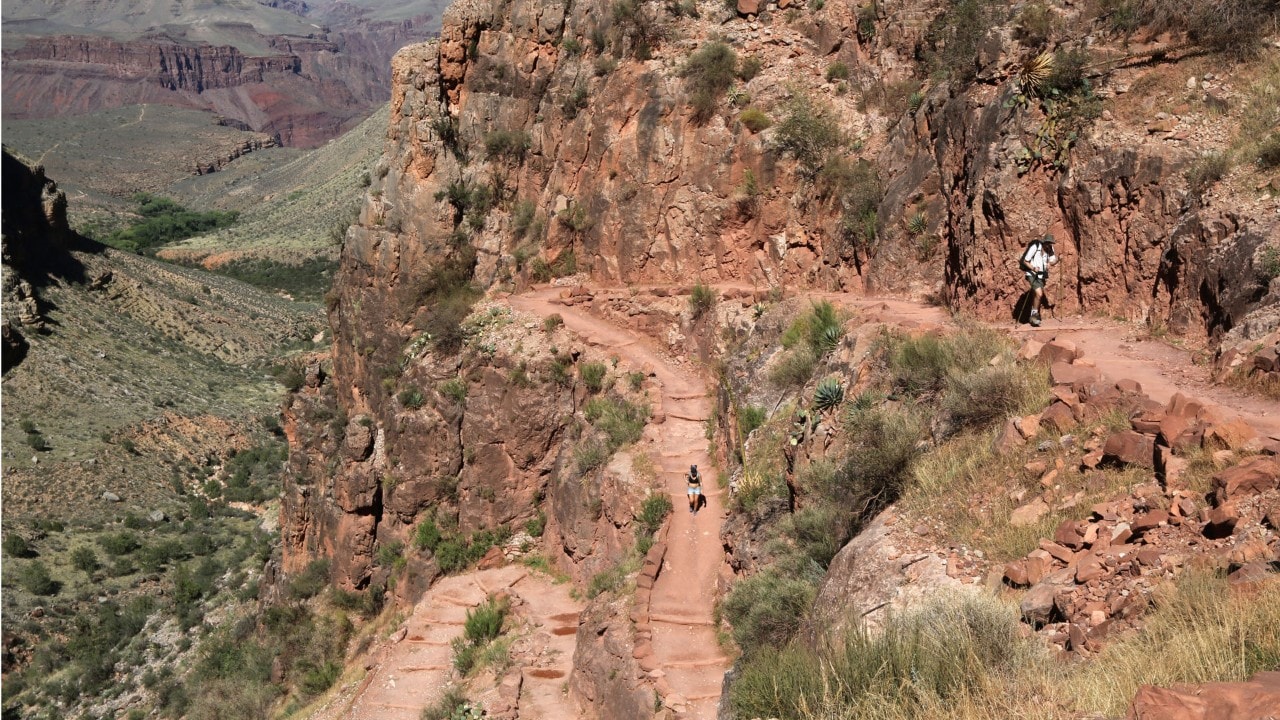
303 91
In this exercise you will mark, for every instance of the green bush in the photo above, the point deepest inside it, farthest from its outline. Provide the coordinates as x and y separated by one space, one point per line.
590 454
622 422
1234 27
885 444
412 398
755 119
938 654
606 581
507 144
750 417
1036 24
809 133
794 369
455 389
37 442
308 279
311 581
767 608
653 511
453 705
837 71
551 322
34 577
748 68
707 75
16 546
164 221
920 366
701 300
484 623
536 525
593 374
988 395
1205 172
427 536
1268 155
84 559
121 543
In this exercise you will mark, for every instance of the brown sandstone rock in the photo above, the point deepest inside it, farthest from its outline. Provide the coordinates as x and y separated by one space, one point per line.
1056 351
1221 521
1231 435
1058 417
1251 478
1255 700
1030 349
1129 448
1076 376
1029 514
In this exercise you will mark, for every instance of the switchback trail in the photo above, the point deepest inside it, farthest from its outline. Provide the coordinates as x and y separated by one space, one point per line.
684 595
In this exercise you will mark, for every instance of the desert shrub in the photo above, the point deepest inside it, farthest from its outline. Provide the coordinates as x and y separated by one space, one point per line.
427 535
522 218
507 144
84 559
1234 27
1068 74
990 394
920 366
954 35
701 300
622 422
411 398
820 329
451 706
121 543
551 322
944 652
484 623
604 65
653 511
884 444
1268 154
748 68
447 295
16 546
574 101
755 119
635 380
837 71
750 417
1036 23
536 525
572 46
34 577
606 581
809 133
707 75
1269 263
310 581
819 530
37 442
593 375
794 369
767 608
455 389
1205 172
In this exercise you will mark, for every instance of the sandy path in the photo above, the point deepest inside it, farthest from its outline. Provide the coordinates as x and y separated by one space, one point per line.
684 639
1119 350
413 673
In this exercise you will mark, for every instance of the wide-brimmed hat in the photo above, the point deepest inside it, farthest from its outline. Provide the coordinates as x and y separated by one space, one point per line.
1048 240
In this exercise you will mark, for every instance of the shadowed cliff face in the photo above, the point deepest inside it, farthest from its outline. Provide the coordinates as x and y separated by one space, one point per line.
532 133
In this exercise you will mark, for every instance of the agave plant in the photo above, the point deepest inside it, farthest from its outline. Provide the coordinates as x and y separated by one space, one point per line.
1036 72
918 224
828 395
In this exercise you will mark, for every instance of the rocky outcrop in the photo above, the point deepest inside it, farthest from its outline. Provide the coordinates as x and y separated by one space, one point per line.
1257 698
37 245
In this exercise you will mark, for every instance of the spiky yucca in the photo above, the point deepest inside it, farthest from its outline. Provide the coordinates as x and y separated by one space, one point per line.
829 394
1036 72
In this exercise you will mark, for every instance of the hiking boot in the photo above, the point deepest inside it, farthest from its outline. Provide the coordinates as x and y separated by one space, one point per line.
1035 321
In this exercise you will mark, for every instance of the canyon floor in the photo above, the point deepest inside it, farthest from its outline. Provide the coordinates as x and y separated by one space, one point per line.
413 670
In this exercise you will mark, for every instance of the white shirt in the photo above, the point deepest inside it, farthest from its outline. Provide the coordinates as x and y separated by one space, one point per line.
1038 259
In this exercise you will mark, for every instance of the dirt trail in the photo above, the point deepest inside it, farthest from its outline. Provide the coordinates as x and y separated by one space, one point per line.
411 674
684 638
1118 350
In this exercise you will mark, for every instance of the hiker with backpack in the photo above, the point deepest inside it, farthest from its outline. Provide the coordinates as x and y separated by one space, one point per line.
695 488
1035 262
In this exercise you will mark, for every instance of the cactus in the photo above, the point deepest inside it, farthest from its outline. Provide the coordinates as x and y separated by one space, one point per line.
830 394
1036 72
918 224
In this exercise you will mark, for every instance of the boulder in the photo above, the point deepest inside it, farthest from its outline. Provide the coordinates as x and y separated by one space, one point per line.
1029 514
1056 351
359 438
749 7
1009 438
1058 417
1077 376
1130 448
1038 606
1129 387
1256 476
1221 521
1253 700
1030 349
1069 534
1230 435
1028 426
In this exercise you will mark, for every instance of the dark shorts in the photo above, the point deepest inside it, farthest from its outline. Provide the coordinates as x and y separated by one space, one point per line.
1036 280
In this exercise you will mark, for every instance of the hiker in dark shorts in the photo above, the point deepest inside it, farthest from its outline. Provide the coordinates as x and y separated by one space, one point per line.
1035 262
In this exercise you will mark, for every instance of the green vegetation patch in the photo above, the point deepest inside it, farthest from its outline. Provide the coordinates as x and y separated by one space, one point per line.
165 221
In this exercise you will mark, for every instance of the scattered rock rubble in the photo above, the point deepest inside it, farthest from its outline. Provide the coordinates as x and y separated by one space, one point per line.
1097 574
